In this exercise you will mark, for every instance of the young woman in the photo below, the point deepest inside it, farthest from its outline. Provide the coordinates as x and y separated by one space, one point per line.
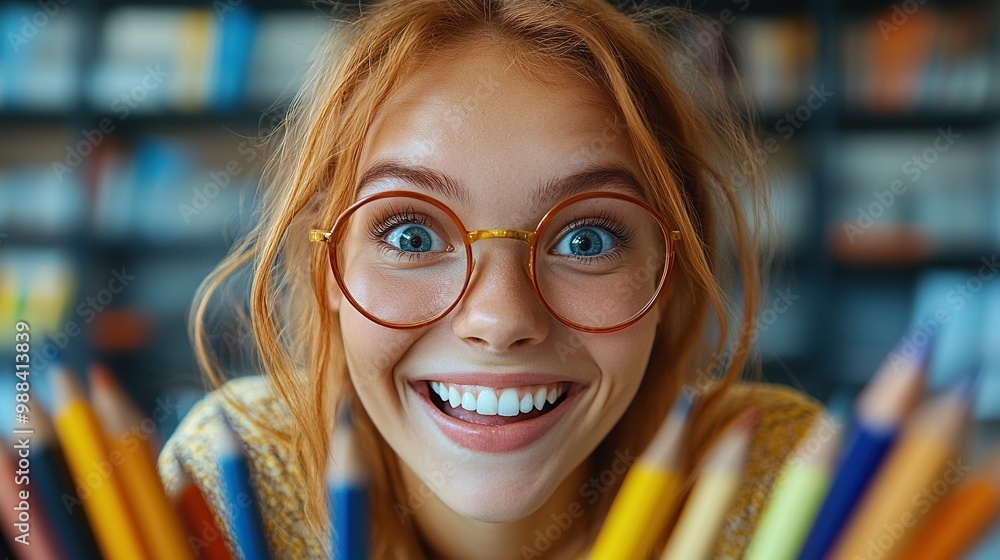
523 213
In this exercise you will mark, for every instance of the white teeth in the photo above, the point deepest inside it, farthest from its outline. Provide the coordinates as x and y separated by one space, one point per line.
527 403
508 403
468 401
486 404
540 398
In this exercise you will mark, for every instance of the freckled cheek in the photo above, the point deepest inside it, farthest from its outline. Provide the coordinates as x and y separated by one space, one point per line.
623 359
372 352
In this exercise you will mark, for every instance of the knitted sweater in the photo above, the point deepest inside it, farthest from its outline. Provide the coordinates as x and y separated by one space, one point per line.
784 416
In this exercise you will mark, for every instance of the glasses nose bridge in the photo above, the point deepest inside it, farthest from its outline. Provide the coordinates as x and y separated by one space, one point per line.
528 237
480 234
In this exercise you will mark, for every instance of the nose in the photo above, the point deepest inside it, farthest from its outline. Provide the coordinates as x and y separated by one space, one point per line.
500 310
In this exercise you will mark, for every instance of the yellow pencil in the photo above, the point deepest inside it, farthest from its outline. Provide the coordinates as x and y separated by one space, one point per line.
923 460
797 496
159 525
648 493
712 494
93 471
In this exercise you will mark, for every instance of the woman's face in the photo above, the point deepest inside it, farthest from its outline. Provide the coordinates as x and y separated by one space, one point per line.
498 136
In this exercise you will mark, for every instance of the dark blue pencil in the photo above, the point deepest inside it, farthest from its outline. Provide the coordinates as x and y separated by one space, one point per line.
241 502
883 405
347 493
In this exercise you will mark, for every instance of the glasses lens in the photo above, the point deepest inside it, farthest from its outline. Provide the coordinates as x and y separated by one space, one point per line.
600 261
402 259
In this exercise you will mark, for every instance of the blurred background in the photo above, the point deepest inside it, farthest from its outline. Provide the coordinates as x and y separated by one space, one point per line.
129 155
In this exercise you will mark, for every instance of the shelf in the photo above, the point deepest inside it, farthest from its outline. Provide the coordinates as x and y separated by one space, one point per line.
922 120
869 7
262 5
240 117
958 260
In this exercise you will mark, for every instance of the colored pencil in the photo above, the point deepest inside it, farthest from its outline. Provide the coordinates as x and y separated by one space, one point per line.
207 541
158 523
890 508
881 408
24 524
241 501
55 490
82 440
961 518
648 493
347 481
713 492
797 496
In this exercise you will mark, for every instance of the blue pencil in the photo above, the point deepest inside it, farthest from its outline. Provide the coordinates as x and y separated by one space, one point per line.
883 405
241 502
347 493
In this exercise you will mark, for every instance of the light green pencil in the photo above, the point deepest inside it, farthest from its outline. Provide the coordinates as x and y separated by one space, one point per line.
797 495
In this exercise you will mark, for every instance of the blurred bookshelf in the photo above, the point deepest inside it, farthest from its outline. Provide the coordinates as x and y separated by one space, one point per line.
130 138
129 165
892 111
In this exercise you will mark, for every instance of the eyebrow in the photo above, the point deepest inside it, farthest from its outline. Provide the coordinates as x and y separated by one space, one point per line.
545 196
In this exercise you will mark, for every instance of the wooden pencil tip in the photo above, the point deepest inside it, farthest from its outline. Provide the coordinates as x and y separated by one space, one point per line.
65 388
101 378
229 443
345 419
746 421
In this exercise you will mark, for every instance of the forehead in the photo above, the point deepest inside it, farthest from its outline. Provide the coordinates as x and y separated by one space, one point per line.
500 132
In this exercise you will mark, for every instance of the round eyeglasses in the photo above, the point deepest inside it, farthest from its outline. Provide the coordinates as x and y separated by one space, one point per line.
598 260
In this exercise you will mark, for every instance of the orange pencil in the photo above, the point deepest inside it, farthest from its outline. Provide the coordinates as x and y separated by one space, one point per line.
205 538
24 526
103 497
923 459
956 524
159 525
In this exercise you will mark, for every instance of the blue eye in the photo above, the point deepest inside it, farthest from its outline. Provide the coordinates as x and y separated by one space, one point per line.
413 238
585 242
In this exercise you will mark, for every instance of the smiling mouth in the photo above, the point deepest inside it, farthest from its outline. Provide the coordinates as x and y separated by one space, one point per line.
496 407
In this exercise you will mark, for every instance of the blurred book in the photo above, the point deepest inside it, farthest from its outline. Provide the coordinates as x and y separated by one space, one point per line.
907 197
38 56
200 60
35 286
34 200
776 58
929 60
